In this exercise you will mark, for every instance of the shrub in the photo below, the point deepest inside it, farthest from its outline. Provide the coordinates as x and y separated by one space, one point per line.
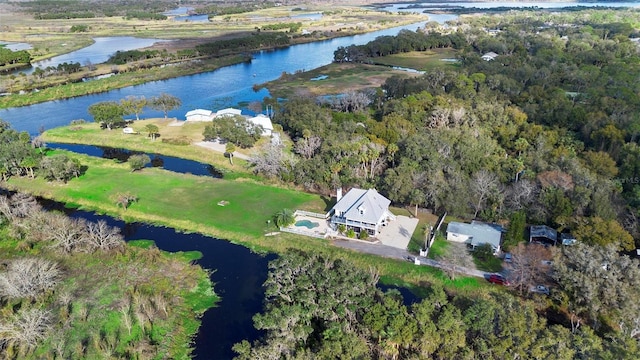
350 233
363 235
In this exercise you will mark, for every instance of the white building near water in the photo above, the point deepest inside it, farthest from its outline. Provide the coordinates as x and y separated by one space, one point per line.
264 121
228 112
199 115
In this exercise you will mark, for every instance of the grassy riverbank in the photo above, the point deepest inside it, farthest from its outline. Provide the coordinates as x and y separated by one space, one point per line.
92 134
190 203
121 80
337 78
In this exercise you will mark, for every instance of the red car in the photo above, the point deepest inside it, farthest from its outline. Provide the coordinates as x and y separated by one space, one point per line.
498 279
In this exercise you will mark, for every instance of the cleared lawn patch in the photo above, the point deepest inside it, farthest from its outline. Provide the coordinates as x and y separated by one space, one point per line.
419 60
165 196
332 79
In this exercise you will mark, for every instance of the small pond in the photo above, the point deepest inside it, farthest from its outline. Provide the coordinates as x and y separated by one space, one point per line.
166 162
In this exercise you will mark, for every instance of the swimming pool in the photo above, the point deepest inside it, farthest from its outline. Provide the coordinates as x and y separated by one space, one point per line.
307 223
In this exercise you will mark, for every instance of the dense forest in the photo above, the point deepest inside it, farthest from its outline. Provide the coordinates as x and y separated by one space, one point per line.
321 308
545 130
550 127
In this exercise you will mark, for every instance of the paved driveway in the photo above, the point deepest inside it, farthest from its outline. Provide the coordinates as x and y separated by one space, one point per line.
398 232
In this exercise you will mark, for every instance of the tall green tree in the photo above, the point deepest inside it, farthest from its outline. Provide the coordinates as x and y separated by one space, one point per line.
165 103
108 114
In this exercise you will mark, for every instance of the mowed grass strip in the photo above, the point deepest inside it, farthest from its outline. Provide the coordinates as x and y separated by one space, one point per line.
170 198
419 60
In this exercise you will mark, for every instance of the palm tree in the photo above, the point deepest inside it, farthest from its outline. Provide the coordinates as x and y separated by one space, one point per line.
229 149
284 218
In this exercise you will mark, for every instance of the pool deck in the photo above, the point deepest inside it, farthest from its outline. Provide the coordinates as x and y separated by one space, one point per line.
396 234
320 230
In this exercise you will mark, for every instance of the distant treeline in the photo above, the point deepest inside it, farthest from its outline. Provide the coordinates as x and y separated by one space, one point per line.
217 10
254 41
77 9
405 41
216 48
293 27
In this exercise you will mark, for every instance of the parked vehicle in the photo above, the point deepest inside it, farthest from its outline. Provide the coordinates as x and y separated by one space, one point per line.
540 289
508 257
498 279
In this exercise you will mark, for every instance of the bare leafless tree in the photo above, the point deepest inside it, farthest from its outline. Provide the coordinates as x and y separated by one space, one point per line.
529 266
521 194
100 236
455 259
271 161
307 146
25 328
67 234
482 186
28 278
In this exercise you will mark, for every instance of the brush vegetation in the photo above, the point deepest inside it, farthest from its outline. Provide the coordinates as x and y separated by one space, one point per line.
73 289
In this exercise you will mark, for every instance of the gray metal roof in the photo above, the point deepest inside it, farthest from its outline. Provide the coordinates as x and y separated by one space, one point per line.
543 231
363 205
480 233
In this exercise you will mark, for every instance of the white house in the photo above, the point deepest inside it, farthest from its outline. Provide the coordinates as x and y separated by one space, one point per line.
199 115
361 209
489 56
475 234
228 112
264 121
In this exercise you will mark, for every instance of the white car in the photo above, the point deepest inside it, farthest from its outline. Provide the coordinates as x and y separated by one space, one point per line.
540 289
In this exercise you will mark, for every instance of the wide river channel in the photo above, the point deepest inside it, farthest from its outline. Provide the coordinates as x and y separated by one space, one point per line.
238 273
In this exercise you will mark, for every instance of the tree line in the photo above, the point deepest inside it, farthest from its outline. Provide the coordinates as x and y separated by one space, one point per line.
321 308
246 43
405 41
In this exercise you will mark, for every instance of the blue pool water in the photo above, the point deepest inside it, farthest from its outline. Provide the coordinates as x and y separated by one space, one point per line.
306 223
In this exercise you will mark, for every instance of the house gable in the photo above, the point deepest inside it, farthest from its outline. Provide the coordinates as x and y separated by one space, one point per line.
361 208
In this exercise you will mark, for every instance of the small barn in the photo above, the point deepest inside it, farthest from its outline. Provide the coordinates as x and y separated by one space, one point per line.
228 112
199 115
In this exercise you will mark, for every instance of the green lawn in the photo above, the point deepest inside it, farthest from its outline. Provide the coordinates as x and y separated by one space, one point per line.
419 60
186 201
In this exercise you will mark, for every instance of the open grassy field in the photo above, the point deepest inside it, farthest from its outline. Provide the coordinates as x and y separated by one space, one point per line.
191 202
332 79
420 60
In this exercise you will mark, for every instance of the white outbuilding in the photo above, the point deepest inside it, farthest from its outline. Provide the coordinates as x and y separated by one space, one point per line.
264 121
199 115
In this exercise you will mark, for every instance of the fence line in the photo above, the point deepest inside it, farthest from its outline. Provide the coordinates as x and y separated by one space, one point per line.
310 214
302 232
